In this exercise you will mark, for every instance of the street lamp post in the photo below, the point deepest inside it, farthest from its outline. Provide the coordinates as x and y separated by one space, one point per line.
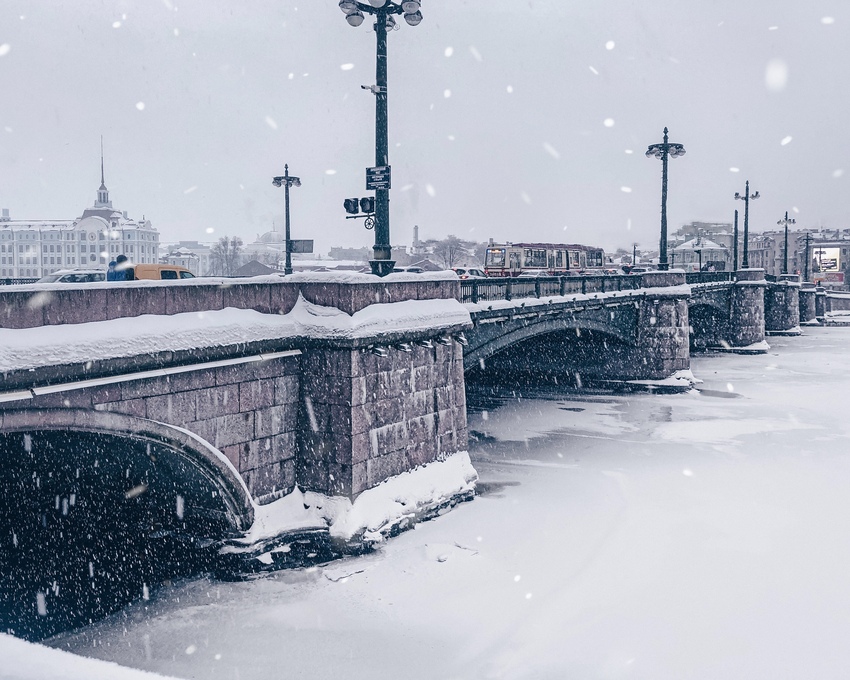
786 222
634 254
287 181
382 262
745 264
663 151
806 275
699 255
735 245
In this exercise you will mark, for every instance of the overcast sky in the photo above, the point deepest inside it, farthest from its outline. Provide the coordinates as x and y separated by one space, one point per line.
509 119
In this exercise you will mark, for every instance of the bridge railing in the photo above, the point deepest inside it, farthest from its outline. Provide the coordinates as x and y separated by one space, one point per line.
16 282
488 290
708 277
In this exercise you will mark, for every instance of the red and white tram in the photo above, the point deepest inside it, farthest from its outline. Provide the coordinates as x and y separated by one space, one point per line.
555 259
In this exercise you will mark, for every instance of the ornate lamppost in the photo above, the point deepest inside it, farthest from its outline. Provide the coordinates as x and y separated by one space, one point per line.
287 181
786 222
663 151
383 10
746 198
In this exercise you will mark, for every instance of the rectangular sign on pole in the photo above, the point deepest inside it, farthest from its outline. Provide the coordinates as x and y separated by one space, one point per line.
378 178
301 245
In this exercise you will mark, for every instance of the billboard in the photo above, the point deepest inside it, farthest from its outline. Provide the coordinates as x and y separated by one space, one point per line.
826 259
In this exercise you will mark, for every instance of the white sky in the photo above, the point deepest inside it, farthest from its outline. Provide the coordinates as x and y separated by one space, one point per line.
232 91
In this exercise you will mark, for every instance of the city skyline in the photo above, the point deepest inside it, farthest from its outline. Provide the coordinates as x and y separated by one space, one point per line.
511 123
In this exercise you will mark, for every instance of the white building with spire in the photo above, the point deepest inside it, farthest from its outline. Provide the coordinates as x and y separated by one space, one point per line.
35 248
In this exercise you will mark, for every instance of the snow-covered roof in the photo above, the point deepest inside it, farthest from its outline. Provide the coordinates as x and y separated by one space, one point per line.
699 244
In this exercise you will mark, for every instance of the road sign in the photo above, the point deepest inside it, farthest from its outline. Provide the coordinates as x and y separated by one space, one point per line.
378 178
300 245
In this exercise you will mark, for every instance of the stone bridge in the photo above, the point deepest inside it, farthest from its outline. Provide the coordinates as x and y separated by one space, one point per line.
334 383
245 387
624 328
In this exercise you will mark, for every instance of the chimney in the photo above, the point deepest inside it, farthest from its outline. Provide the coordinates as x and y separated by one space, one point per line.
5 217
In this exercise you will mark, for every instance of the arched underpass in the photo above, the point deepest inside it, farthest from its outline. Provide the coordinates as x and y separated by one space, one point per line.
707 323
571 357
95 515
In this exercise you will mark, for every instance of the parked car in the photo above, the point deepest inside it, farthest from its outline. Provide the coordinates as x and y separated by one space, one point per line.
160 272
409 270
469 273
74 276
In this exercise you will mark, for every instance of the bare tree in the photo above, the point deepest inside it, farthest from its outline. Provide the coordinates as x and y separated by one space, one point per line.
451 251
225 256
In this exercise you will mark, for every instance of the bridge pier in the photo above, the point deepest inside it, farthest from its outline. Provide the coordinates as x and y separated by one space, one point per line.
782 306
807 302
744 331
367 416
820 302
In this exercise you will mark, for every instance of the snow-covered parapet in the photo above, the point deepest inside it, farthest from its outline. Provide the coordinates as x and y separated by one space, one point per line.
28 348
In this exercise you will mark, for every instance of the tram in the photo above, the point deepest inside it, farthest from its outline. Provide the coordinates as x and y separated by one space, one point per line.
555 259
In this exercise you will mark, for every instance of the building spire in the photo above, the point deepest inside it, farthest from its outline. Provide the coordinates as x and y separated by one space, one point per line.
102 193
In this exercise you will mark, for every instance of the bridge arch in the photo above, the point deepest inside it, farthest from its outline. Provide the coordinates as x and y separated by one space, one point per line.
708 318
500 337
97 508
191 450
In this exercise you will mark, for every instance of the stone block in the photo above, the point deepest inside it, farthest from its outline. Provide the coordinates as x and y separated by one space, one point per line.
128 301
359 478
389 438
217 401
311 476
177 409
69 399
130 407
234 454
192 297
244 295
286 389
17 312
76 305
422 453
256 394
422 429
382 468
423 377
266 451
385 412
445 421
420 403
225 430
339 480
276 478
282 297
275 420
104 393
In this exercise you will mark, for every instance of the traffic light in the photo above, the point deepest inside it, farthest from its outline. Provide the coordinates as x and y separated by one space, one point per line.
367 204
350 205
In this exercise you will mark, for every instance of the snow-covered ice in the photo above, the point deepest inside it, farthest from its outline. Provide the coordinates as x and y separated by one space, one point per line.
701 535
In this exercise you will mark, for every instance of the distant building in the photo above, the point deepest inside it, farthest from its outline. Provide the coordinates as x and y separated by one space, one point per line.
193 255
828 254
700 251
35 248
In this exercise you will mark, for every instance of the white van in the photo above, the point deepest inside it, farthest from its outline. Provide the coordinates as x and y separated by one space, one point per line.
74 276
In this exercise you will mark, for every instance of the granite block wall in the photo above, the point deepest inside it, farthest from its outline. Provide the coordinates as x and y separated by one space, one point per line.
366 417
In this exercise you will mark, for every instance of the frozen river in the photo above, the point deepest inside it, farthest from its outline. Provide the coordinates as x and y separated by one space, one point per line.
703 535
